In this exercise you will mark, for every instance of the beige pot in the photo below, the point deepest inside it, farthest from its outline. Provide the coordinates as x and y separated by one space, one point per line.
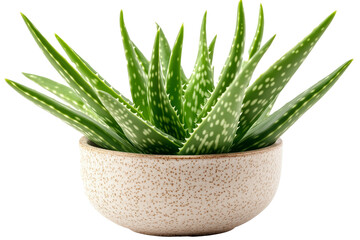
180 195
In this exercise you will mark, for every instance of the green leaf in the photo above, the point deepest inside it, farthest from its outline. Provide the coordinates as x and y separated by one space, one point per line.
245 75
216 132
201 82
63 92
88 66
140 132
165 52
97 83
268 86
142 59
211 53
256 43
174 87
72 77
271 128
233 62
162 114
264 115
97 133
101 78
211 49
137 76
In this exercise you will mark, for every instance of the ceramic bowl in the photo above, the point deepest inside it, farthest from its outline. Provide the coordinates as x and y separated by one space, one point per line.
171 195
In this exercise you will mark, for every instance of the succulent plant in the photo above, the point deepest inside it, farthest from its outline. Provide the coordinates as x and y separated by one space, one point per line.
170 113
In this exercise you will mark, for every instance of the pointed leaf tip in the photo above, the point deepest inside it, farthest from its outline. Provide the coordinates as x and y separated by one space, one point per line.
240 5
273 37
331 16
275 79
24 16
122 18
348 63
204 17
58 38
137 76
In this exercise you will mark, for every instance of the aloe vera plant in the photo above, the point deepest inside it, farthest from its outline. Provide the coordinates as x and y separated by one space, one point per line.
174 114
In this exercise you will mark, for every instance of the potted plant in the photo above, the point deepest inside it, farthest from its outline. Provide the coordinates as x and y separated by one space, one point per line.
185 156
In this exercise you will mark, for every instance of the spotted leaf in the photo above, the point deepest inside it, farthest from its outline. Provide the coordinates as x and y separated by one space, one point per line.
233 62
165 52
162 114
211 49
142 59
63 92
256 43
97 133
100 77
263 116
216 131
148 138
137 77
272 127
268 86
201 82
174 87
73 78
96 82
245 76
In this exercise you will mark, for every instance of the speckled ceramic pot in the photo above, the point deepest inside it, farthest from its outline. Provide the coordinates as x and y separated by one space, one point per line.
180 195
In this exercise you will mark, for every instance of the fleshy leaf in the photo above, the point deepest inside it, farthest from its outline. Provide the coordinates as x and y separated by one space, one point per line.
137 77
144 62
201 82
245 74
233 62
268 86
162 114
96 82
101 78
72 77
65 93
140 132
211 49
60 90
165 52
174 87
216 132
272 127
264 115
97 133
256 43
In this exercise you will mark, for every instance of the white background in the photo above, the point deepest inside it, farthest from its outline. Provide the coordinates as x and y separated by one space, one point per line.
41 195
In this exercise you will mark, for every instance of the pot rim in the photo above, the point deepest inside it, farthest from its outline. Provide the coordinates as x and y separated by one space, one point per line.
86 144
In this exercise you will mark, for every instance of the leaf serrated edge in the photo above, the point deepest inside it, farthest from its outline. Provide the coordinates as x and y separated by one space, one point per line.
170 138
290 119
54 106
